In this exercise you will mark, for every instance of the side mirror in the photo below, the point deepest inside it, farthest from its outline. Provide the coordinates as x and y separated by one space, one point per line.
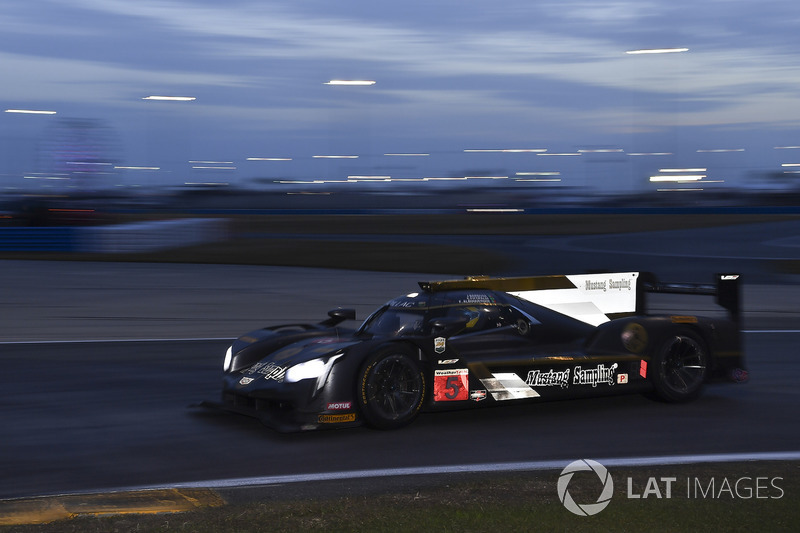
337 316
523 327
448 325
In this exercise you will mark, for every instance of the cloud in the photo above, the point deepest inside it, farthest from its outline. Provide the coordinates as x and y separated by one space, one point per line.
42 79
444 69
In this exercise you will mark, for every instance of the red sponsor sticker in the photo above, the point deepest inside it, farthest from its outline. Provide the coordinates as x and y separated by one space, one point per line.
339 406
451 385
643 369
477 395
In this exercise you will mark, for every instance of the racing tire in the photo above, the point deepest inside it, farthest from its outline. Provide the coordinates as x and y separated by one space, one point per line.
680 368
391 388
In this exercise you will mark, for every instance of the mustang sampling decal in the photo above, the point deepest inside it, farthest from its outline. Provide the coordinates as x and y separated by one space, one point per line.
589 298
593 376
551 378
269 369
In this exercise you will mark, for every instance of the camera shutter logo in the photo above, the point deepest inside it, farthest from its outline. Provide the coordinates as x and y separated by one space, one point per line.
586 509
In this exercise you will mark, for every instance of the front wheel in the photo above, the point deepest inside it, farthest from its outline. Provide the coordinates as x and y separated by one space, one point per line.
680 368
391 388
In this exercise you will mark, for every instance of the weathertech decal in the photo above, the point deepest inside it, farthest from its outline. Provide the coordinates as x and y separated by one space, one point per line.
508 387
451 385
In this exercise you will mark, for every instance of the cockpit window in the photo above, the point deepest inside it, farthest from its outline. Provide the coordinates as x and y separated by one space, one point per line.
488 317
394 322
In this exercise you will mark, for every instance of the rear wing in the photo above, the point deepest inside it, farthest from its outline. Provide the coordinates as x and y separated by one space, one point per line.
726 291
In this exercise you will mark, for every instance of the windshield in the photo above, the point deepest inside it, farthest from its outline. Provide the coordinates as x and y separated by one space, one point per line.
394 322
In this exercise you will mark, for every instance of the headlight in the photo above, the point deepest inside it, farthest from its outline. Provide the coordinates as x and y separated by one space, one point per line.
226 365
310 369
318 369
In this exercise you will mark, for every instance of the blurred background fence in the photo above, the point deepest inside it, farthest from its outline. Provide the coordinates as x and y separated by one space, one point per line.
117 238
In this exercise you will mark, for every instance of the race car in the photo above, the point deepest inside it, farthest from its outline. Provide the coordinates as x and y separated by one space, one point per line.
483 341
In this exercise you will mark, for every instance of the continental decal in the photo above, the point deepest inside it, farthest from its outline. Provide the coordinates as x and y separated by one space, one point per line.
683 319
336 419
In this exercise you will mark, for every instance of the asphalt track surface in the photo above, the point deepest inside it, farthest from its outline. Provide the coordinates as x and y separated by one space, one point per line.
78 416
82 417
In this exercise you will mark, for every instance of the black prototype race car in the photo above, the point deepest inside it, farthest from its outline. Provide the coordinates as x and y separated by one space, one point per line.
480 341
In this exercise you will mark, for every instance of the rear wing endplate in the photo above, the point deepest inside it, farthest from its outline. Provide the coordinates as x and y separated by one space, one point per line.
726 290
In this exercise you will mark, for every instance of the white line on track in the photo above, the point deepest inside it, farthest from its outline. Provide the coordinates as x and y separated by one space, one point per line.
478 468
759 331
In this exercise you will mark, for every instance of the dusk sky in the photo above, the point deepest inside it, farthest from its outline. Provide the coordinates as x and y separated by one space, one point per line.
449 76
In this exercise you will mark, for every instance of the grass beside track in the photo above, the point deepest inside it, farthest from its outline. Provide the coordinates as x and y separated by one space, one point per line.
703 498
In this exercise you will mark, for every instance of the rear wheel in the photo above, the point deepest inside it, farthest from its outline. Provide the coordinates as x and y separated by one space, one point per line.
680 368
391 388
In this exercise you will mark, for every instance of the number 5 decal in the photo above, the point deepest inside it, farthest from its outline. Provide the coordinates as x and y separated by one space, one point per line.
451 385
